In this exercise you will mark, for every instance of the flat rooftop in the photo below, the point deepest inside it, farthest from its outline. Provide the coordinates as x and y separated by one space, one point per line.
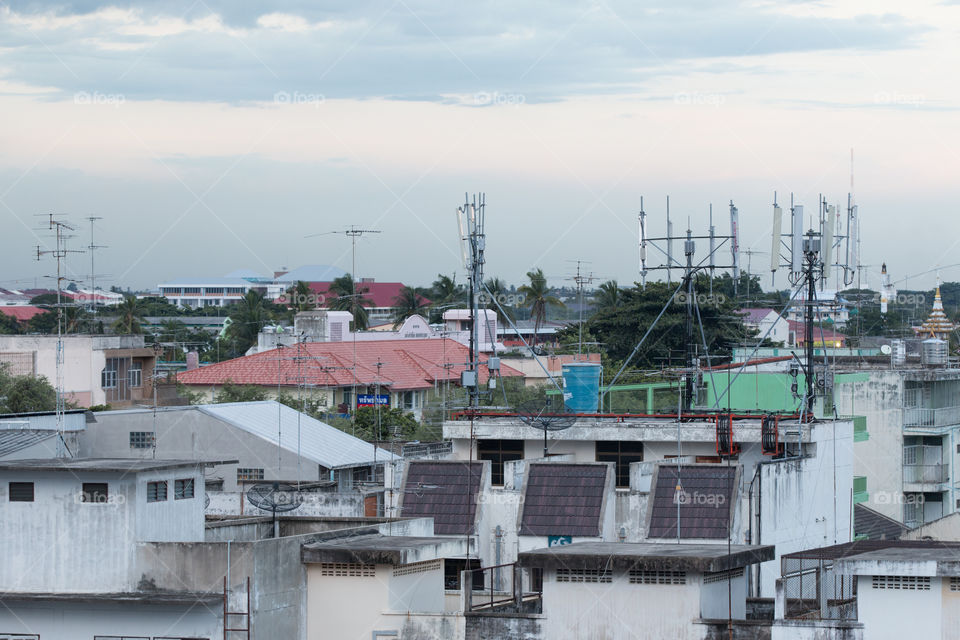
628 555
124 465
938 559
189 598
380 549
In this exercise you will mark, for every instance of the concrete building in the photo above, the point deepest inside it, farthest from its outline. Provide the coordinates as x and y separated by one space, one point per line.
36 435
797 498
205 292
309 450
97 369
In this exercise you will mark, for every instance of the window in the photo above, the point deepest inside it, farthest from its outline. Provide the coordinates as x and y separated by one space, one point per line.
157 491
21 492
108 377
908 583
348 398
498 452
954 584
248 474
409 400
183 489
452 567
621 453
584 575
135 375
95 492
143 439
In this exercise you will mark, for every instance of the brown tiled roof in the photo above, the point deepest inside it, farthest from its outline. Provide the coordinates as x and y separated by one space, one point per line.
563 499
703 508
445 491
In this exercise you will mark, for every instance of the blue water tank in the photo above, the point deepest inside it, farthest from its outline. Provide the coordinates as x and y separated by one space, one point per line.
581 386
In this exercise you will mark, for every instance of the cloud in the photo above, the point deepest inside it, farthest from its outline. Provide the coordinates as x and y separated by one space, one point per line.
401 49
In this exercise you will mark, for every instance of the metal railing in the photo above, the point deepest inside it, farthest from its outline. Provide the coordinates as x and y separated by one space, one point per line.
928 417
923 464
506 587
427 449
814 591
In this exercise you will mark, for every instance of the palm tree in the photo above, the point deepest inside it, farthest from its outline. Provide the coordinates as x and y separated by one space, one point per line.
407 303
608 296
300 297
248 316
538 298
497 290
128 317
350 298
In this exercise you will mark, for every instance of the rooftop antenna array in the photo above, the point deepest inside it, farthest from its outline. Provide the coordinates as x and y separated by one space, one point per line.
810 256
580 279
92 248
60 252
663 246
473 241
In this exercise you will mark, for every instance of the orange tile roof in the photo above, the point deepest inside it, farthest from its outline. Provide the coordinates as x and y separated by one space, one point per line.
405 364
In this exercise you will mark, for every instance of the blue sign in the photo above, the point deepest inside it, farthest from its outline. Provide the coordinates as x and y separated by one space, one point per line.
372 399
559 541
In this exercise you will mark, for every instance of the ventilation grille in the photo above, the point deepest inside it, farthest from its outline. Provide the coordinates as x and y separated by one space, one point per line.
347 570
722 576
418 567
584 575
657 577
907 583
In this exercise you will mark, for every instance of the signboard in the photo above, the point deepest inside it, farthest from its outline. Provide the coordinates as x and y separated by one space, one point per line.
559 541
372 399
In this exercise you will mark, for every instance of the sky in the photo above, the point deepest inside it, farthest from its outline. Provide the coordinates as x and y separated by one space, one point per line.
213 136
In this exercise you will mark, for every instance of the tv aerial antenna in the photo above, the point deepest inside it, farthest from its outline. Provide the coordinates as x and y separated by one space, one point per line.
663 247
92 247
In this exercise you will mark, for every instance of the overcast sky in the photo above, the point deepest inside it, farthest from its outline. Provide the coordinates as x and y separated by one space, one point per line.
213 136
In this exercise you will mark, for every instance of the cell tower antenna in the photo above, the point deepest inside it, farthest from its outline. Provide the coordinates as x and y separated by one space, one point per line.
60 252
642 219
580 279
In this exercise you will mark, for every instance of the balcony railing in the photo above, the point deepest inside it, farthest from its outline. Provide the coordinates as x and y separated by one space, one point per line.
924 417
923 464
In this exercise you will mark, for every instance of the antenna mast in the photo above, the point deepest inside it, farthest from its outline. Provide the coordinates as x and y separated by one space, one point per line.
93 273
60 253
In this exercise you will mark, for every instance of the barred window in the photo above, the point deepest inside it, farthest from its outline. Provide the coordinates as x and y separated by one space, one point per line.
143 439
248 474
954 584
157 491
347 570
584 575
657 577
905 583
183 489
108 377
135 375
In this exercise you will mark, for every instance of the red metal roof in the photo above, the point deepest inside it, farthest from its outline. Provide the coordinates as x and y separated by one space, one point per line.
22 313
380 294
405 364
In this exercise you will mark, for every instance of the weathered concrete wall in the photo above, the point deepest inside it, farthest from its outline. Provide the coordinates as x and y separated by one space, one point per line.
315 504
503 627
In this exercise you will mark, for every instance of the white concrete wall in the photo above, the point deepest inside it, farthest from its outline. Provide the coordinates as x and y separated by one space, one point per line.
620 609
170 520
716 598
895 614
81 363
321 504
421 592
89 619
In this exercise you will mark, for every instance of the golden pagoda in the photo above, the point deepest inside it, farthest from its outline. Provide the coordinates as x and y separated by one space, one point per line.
937 325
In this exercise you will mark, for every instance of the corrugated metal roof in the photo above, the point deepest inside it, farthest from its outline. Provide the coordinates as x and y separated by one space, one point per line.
318 441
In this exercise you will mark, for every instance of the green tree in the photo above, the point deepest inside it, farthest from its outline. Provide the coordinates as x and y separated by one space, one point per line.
301 297
247 317
407 303
497 290
349 297
608 296
394 423
23 394
538 299
129 317
231 392
9 325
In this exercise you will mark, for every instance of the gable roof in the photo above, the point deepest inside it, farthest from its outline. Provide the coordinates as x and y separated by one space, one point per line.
326 445
405 365
563 499
755 314
447 491
875 525
22 313
702 509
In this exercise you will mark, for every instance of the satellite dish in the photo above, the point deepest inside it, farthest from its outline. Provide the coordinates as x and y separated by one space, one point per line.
546 415
276 497
886 350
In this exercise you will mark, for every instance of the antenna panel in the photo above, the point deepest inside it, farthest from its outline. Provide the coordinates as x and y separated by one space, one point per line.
828 240
796 257
777 230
